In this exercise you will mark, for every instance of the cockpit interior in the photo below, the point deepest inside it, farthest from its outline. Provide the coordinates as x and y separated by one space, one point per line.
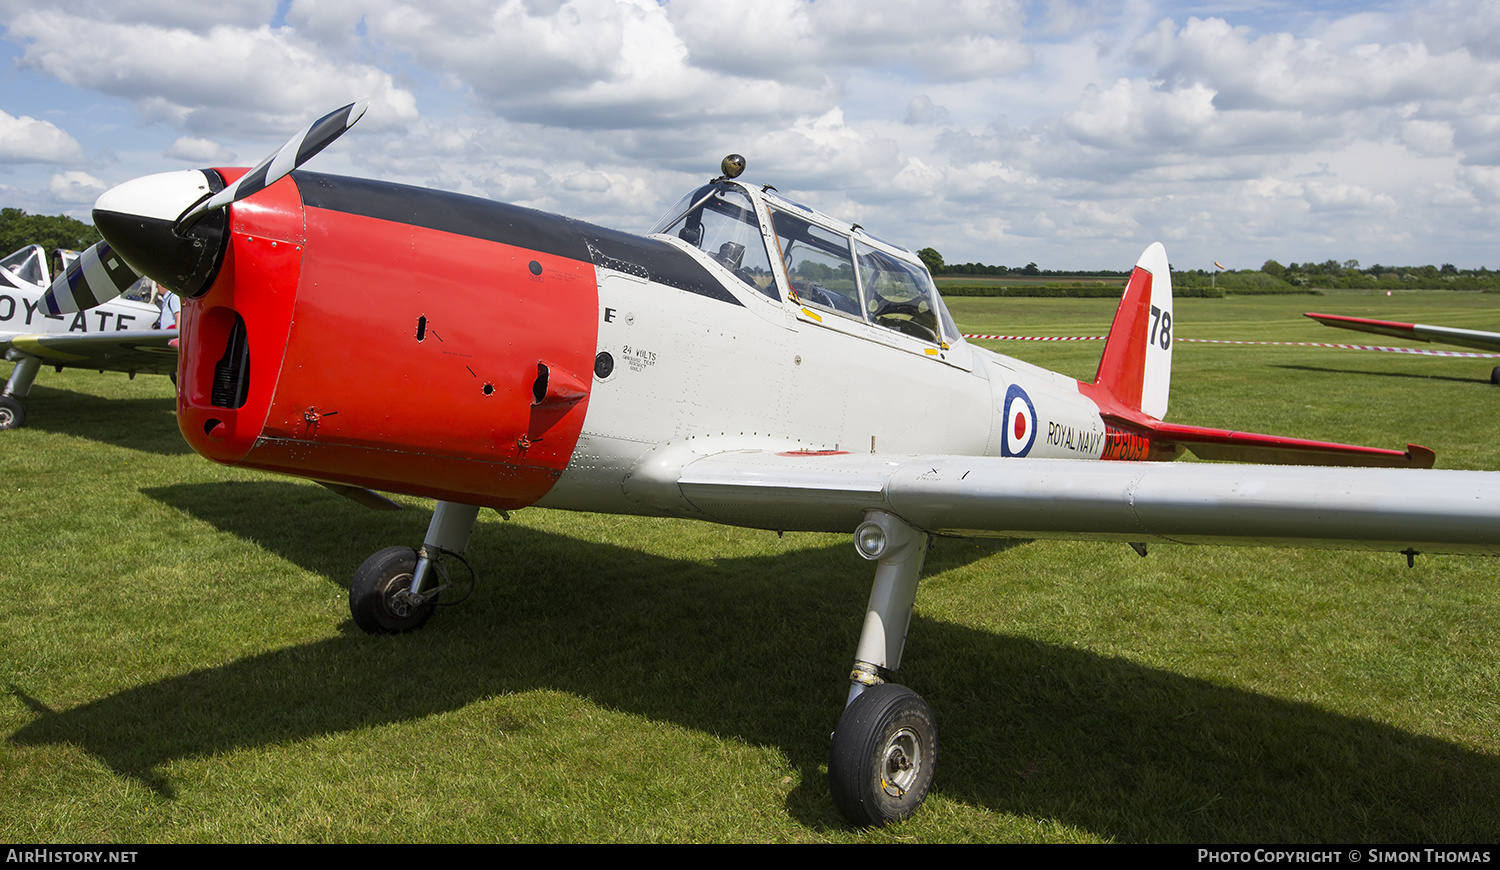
789 252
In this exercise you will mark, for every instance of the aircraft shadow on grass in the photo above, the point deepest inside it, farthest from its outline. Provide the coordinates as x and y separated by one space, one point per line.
147 425
1421 377
1030 728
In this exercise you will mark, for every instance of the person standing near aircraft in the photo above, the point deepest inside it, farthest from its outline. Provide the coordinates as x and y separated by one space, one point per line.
171 308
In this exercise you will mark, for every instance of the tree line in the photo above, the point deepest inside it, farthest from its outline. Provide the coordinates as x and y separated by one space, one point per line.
19 229
1349 274
1271 277
935 265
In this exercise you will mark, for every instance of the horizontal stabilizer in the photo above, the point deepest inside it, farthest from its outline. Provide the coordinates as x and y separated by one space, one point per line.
1225 445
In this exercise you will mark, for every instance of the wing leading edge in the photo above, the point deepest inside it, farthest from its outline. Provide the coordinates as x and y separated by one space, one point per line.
1335 508
143 351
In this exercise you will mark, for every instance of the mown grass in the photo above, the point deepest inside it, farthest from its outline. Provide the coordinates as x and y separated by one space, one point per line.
179 665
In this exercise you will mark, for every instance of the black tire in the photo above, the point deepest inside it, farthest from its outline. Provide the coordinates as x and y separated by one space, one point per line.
1495 375
12 413
377 580
884 755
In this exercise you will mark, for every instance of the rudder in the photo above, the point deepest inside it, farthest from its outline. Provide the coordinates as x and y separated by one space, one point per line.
1137 365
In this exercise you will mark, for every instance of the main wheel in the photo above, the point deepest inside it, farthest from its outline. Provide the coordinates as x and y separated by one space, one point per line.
884 755
12 413
373 599
1495 375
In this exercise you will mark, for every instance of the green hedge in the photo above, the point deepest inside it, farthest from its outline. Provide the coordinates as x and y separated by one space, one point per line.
1244 283
1287 290
1062 290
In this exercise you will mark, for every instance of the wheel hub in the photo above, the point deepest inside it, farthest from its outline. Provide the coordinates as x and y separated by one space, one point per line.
400 602
903 762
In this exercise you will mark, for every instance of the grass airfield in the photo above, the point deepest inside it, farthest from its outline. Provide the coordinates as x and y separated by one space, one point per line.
178 663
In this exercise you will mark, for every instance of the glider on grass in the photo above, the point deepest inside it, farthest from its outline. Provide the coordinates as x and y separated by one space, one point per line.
750 361
1417 332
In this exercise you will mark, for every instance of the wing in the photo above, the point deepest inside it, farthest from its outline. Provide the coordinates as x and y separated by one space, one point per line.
1339 508
144 351
1413 331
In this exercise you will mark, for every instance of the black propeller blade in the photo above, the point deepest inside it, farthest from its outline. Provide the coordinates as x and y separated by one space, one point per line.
297 151
101 274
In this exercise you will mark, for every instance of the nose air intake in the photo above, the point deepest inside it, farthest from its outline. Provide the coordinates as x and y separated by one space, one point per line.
232 372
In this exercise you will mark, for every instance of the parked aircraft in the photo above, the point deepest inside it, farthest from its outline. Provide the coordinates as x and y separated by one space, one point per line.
751 361
115 336
1418 332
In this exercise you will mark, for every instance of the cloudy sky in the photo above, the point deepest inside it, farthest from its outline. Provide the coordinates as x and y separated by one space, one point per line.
1071 133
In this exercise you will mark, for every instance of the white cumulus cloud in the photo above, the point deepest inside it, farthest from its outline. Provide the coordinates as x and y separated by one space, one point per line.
76 187
27 140
1069 132
200 151
236 78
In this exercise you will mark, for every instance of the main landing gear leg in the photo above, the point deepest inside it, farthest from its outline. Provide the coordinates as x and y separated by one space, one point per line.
397 589
18 387
885 746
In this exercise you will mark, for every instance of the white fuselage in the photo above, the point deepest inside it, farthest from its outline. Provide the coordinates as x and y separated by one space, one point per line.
698 375
22 313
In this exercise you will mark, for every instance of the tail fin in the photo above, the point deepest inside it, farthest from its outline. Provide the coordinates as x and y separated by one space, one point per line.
1136 372
1137 366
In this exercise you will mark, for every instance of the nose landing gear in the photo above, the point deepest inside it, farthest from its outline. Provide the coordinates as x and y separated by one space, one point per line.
396 590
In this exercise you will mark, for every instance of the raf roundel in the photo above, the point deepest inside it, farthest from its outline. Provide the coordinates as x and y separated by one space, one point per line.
1020 423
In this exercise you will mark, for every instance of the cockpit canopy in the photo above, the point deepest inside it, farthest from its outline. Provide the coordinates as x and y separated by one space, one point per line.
28 264
819 262
720 220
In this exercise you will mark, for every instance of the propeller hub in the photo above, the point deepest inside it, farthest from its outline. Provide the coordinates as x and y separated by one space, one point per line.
139 218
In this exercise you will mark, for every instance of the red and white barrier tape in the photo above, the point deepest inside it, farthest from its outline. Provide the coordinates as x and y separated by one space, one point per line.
1039 337
1413 350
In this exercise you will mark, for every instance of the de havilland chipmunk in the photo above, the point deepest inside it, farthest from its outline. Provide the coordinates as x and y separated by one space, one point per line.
114 336
750 361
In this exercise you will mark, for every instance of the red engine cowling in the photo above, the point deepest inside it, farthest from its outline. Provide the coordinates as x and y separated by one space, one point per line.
352 337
